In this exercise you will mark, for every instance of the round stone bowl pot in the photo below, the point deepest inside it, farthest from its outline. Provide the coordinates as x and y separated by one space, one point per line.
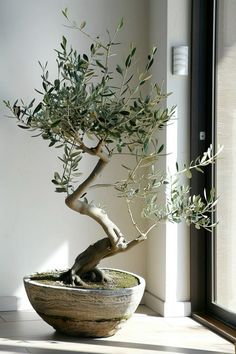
84 312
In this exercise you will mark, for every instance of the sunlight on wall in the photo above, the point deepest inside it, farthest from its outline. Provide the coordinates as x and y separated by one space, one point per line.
171 261
171 229
58 260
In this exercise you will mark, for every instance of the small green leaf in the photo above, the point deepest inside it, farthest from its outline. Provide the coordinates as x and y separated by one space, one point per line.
130 78
44 86
56 175
199 169
160 148
85 57
23 126
128 61
154 49
60 190
55 123
145 79
107 94
64 41
150 64
53 142
119 70
37 108
124 91
120 25
31 103
188 173
75 153
7 103
57 84
40 92
145 145
133 52
124 113
82 25
127 168
100 65
65 13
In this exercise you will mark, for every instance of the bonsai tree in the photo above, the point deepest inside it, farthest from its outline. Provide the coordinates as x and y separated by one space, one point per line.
83 101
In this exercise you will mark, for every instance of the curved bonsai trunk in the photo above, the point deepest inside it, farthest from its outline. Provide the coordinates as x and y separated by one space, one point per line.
85 265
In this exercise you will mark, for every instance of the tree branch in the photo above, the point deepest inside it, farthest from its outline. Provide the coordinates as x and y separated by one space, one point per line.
73 201
94 151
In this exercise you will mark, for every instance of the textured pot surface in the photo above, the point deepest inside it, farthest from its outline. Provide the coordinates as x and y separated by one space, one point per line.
84 312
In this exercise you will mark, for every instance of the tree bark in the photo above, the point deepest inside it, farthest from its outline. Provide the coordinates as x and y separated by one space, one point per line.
85 266
87 261
72 201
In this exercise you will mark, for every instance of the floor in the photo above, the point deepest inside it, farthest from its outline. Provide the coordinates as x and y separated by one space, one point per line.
144 333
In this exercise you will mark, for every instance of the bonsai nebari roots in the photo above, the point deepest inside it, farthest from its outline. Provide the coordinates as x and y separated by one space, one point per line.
85 265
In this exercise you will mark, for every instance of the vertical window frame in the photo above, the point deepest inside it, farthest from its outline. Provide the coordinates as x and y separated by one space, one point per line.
203 91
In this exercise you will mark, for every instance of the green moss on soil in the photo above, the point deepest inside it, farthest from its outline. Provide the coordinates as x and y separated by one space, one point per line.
117 280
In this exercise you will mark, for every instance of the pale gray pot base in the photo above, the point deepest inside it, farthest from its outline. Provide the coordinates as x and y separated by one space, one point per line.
84 312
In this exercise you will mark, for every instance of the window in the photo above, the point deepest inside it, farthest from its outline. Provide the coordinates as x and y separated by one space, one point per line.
213 288
225 133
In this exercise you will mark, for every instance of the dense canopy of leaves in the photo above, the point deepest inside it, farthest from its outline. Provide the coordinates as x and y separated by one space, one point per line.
89 100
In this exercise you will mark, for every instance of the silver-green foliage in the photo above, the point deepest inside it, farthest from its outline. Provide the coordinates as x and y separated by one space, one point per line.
84 102
167 196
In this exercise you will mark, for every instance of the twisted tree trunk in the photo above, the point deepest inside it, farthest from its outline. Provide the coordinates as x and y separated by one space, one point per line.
85 265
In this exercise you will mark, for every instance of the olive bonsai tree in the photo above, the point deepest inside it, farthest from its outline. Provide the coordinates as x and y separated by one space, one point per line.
120 118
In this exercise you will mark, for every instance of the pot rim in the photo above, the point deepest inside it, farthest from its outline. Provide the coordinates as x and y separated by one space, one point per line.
27 280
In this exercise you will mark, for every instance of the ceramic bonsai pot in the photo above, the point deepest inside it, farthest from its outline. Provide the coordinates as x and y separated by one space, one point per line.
84 312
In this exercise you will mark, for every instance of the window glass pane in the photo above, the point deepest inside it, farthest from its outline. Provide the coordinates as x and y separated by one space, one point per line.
225 174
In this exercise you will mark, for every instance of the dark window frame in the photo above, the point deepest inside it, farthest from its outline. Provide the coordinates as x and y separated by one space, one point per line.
202 119
201 110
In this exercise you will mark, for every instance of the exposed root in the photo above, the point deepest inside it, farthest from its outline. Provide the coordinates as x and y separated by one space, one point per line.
85 266
95 275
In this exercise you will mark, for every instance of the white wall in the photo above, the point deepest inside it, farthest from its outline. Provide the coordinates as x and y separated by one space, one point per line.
168 283
37 231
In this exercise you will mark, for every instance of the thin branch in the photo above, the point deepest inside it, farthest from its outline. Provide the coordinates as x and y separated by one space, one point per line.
150 229
132 218
74 26
71 200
